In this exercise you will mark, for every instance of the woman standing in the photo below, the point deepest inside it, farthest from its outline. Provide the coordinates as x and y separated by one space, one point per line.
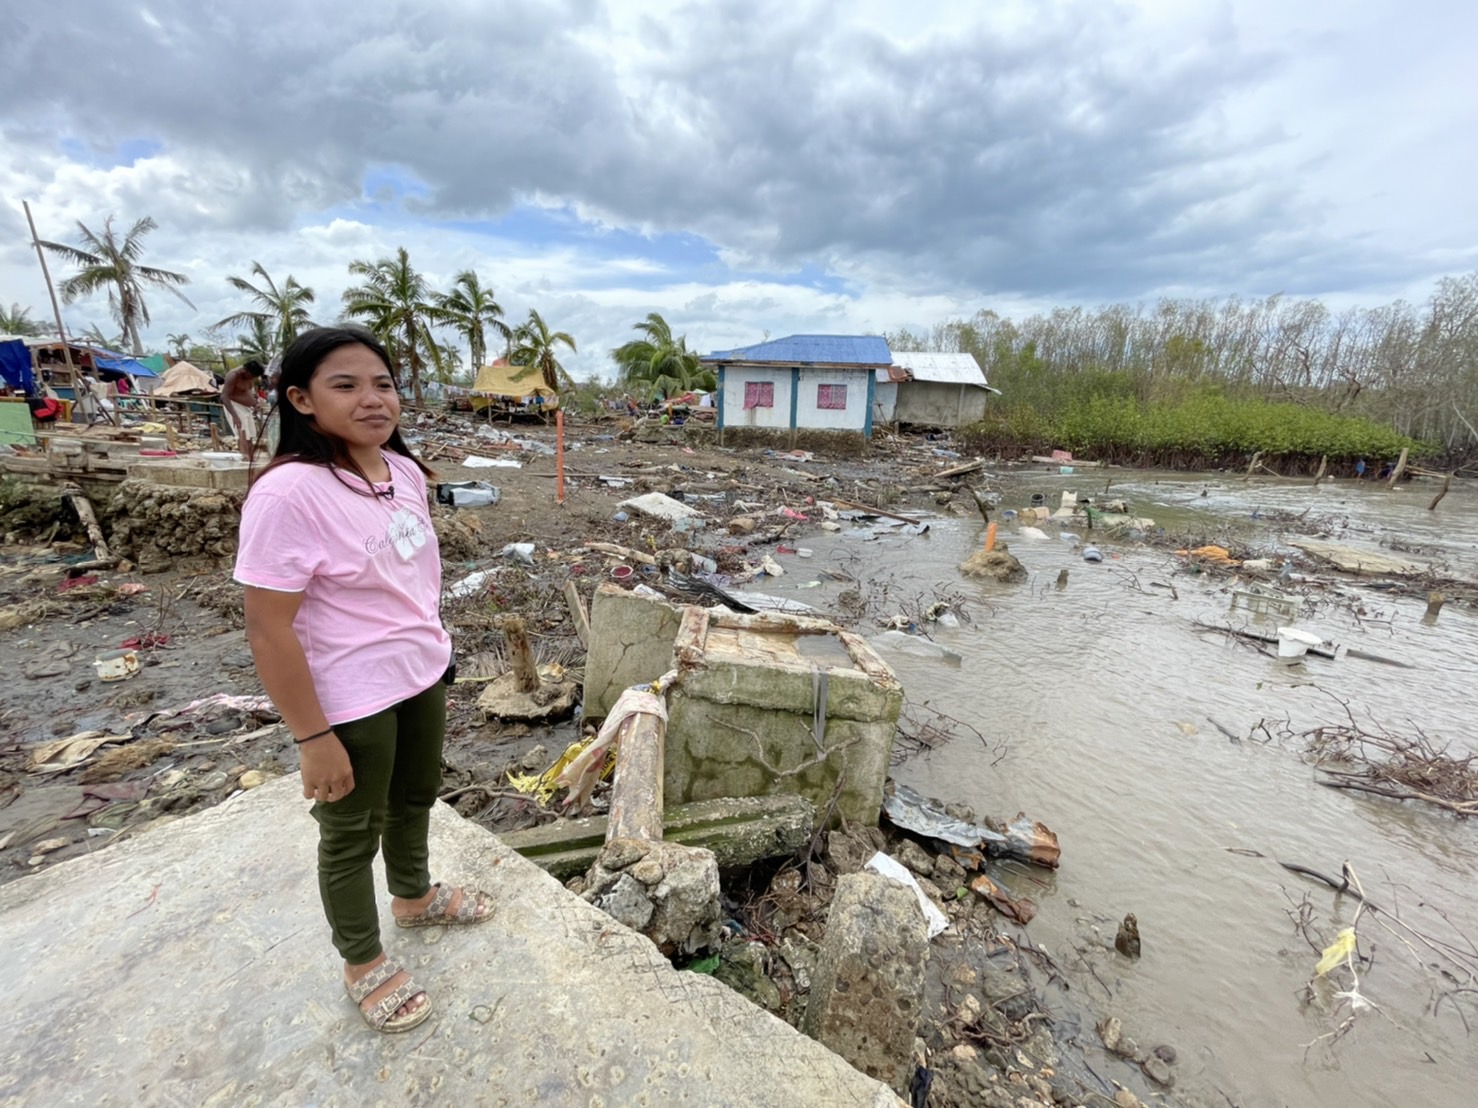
343 583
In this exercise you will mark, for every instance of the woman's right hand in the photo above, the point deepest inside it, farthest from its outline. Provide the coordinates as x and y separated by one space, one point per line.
327 775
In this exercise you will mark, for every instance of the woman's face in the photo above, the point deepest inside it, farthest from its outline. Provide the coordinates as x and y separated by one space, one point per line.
351 395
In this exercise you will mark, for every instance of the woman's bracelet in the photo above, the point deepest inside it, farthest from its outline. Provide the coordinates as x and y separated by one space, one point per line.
310 738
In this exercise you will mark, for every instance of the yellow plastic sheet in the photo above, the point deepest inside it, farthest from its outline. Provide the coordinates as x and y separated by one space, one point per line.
1336 952
541 786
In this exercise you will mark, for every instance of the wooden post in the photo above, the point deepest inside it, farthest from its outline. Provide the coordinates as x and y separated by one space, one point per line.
1446 484
1435 600
521 654
1399 470
578 613
1323 467
636 793
83 507
980 502
559 455
1256 457
56 310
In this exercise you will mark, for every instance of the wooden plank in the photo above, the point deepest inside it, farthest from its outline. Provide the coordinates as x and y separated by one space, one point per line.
578 613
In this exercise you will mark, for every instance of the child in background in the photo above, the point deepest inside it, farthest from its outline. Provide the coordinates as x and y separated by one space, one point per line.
343 585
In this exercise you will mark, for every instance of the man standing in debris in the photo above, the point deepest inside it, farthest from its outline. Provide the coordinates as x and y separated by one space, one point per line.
239 396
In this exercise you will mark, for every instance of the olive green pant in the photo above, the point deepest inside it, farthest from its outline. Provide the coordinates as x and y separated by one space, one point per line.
396 757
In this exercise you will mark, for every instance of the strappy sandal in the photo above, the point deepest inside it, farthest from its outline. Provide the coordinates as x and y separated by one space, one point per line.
381 1015
436 914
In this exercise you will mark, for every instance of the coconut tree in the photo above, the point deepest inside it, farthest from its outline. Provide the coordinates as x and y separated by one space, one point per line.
18 321
658 364
179 344
106 261
471 311
93 335
399 307
534 346
260 340
285 308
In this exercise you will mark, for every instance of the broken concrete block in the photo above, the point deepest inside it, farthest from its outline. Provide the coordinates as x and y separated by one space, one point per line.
867 989
671 895
771 704
631 641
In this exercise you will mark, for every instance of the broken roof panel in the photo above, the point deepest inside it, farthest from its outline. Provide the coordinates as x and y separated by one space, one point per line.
946 369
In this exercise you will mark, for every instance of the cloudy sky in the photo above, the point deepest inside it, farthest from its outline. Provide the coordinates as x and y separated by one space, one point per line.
747 166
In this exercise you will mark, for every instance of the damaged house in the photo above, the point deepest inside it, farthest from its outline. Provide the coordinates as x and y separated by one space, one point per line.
931 389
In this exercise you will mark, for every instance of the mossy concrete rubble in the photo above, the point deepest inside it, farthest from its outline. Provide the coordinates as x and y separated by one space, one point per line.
738 830
868 986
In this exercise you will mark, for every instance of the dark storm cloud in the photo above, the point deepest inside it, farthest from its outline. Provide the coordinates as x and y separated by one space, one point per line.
1067 159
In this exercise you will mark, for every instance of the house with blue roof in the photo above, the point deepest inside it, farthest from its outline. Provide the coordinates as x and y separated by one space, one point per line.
801 382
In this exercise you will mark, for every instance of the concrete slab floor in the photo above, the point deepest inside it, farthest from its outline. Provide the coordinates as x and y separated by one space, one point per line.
191 965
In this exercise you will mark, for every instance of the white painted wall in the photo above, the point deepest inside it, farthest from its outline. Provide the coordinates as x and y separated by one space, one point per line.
851 418
735 414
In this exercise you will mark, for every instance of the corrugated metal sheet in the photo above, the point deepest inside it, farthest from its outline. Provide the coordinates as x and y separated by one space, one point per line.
948 369
859 350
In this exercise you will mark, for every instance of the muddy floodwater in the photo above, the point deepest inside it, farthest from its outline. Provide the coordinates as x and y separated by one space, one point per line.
1096 701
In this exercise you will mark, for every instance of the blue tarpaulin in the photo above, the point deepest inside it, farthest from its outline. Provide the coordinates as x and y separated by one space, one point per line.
15 366
120 364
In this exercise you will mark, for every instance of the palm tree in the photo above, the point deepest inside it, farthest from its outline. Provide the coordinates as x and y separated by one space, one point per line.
93 335
18 321
104 261
659 365
286 309
469 309
179 344
261 340
443 360
533 345
398 305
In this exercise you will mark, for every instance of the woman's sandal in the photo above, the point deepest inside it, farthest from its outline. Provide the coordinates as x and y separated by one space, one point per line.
381 1015
436 914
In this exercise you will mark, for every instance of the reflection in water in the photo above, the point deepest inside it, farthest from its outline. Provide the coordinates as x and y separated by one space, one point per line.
1104 692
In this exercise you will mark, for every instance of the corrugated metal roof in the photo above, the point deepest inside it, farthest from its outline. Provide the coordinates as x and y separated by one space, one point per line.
950 369
860 350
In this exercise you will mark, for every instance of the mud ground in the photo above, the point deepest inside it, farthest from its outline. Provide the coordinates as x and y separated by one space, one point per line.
1004 1024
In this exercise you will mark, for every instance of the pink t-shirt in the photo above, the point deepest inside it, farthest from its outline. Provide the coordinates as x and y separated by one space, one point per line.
370 573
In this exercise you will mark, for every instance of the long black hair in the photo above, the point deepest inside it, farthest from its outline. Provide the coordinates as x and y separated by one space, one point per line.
300 438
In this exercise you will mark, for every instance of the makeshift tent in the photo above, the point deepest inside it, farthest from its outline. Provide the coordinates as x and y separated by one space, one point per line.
15 366
511 382
183 379
132 366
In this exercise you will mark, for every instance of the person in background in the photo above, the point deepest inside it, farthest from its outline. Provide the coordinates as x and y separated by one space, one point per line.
274 419
239 398
1360 470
